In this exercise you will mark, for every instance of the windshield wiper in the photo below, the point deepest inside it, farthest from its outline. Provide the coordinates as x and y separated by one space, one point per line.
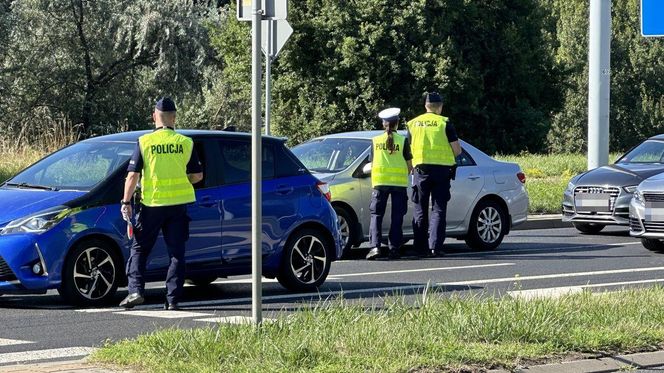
31 186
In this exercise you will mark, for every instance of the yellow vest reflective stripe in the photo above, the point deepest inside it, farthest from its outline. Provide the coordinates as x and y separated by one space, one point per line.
164 180
389 169
428 140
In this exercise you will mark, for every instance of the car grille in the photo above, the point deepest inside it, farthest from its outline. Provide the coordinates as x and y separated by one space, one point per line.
635 225
6 273
652 197
613 193
654 227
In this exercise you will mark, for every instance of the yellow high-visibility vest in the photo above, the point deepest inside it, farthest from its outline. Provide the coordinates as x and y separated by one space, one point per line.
389 169
428 140
164 178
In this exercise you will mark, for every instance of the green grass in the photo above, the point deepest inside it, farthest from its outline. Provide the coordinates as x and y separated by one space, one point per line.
547 177
436 333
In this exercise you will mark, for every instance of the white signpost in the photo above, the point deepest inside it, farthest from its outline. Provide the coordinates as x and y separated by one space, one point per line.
258 11
275 35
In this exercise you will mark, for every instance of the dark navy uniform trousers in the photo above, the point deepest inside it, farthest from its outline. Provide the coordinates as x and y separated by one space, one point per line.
174 223
378 206
431 182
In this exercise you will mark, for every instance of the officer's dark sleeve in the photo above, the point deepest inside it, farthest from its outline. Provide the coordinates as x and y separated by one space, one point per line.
451 133
136 160
194 165
407 153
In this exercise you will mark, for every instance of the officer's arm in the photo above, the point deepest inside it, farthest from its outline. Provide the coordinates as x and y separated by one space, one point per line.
456 148
410 166
194 178
130 185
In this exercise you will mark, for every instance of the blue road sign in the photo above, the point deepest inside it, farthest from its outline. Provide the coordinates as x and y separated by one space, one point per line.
652 17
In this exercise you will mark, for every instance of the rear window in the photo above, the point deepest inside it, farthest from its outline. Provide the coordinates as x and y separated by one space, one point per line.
330 154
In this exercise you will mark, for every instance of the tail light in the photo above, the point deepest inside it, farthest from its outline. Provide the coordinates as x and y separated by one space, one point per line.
522 177
324 190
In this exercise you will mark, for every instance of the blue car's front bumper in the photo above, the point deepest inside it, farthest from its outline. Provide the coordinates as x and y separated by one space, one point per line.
18 255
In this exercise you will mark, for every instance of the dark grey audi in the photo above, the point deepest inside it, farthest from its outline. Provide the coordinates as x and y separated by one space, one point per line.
601 197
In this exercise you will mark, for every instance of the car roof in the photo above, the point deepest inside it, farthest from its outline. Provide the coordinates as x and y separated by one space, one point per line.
657 137
359 135
133 136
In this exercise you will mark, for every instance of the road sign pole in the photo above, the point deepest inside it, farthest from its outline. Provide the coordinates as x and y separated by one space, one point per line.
256 198
268 76
599 84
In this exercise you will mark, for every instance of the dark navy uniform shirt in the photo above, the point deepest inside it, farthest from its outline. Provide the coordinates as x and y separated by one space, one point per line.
136 161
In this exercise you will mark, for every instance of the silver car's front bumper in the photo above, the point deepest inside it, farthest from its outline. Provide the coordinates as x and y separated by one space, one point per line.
641 223
617 212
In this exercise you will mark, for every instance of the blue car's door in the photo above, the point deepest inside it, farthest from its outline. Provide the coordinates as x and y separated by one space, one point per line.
203 249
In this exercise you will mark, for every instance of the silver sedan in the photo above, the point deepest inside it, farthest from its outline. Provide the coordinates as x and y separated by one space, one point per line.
488 197
646 213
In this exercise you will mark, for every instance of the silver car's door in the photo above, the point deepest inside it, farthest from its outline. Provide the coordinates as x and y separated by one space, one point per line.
464 189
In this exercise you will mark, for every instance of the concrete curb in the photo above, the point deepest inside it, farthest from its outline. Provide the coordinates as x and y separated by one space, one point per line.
543 222
607 364
70 366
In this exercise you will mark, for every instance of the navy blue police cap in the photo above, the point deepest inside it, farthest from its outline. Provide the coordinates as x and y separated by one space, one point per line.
165 104
433 97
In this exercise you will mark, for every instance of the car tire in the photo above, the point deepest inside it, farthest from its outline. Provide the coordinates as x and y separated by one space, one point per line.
488 226
201 281
91 285
347 228
653 244
589 228
306 260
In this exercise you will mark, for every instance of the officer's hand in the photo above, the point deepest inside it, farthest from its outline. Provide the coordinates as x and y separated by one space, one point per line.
126 212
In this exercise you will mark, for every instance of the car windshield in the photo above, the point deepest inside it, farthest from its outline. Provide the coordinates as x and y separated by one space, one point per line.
78 167
649 151
330 154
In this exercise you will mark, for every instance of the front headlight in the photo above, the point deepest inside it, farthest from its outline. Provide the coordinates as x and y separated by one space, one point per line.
630 189
638 197
37 223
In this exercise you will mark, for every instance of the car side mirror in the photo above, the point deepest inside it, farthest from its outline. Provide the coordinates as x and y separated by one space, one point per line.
366 170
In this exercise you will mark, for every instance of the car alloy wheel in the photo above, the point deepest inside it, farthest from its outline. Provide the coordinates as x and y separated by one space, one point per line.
91 273
94 273
306 260
344 229
489 224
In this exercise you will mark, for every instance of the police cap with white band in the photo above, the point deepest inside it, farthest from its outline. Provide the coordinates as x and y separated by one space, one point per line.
390 115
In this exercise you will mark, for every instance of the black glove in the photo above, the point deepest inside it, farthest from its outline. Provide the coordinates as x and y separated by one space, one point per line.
453 171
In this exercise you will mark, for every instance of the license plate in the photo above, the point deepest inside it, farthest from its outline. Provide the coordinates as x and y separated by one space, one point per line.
654 211
593 202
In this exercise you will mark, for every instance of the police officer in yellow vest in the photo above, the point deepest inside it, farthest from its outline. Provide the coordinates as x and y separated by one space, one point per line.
167 165
435 145
390 167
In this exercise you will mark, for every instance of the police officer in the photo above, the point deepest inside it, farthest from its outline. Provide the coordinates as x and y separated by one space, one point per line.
390 167
167 166
435 146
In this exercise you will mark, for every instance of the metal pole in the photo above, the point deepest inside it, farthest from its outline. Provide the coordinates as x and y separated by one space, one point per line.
268 76
256 200
599 84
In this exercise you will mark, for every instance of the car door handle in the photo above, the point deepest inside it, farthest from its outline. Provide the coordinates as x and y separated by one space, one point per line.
207 202
284 190
473 177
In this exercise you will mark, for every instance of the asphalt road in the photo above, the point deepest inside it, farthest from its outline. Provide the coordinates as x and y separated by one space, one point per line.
554 261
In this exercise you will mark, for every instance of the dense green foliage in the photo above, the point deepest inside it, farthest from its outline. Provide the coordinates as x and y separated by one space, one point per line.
438 333
637 77
513 72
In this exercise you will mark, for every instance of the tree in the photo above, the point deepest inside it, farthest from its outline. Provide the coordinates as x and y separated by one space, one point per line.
347 60
637 78
101 63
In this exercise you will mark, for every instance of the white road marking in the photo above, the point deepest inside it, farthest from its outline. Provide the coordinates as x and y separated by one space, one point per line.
555 275
163 314
232 320
424 270
565 290
98 310
545 292
12 342
56 353
552 250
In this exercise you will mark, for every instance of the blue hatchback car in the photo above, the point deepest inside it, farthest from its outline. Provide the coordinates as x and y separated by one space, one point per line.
61 227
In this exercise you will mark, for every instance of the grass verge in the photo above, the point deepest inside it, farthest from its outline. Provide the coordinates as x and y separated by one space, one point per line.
437 333
547 177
